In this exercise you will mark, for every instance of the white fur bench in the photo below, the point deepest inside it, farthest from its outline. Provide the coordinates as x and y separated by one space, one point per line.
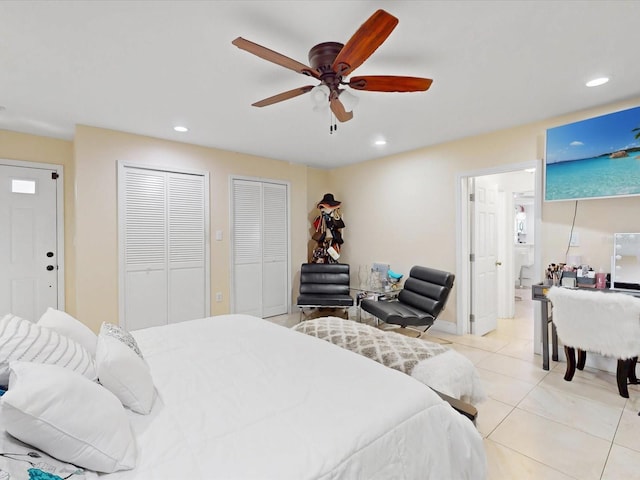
438 367
595 321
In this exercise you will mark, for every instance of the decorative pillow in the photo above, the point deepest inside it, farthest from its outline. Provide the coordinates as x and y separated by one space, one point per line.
123 371
24 340
68 417
66 325
119 333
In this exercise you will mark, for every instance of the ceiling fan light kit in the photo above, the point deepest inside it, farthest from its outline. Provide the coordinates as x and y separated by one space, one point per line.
331 62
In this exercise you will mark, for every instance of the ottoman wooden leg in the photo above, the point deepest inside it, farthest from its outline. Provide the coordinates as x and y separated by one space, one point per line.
622 373
570 353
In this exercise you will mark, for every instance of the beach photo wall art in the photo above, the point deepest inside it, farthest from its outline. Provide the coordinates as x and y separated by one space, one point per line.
594 158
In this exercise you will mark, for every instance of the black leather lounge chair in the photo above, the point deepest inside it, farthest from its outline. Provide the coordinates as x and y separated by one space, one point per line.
324 285
423 296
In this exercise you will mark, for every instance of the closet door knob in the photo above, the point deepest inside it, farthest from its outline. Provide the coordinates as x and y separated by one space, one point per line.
50 267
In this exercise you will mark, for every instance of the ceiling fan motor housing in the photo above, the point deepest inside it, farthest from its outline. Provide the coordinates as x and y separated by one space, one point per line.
321 59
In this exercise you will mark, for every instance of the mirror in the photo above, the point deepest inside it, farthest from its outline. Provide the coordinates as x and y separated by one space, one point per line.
523 220
626 261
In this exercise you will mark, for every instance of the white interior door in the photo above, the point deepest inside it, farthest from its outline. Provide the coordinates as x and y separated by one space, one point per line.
484 296
28 241
260 247
164 261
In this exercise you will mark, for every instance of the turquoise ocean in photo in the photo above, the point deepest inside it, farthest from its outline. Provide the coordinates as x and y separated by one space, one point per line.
578 161
593 177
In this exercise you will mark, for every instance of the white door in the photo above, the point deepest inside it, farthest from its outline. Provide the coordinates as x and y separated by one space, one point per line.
484 295
28 241
164 266
260 247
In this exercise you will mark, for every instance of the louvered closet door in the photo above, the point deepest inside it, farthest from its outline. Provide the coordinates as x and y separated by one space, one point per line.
186 215
260 248
145 249
164 247
275 250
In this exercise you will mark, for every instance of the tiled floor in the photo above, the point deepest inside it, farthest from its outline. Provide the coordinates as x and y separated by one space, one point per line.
534 424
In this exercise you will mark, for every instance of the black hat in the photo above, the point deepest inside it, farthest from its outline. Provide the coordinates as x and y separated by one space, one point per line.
328 201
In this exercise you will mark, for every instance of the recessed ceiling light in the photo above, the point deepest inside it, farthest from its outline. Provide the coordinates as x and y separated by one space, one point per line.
178 128
380 142
596 82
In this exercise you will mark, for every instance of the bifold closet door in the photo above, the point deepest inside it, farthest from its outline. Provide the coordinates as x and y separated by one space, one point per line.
260 221
163 240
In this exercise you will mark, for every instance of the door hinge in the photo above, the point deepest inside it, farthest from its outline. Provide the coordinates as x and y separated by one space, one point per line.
472 257
54 175
472 197
472 318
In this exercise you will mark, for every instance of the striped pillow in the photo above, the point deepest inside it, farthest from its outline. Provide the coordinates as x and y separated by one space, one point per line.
26 341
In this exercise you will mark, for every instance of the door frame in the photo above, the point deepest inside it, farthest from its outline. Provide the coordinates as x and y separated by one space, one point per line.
286 183
59 169
463 235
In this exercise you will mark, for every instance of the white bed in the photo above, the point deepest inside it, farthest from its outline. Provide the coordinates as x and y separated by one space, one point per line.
239 397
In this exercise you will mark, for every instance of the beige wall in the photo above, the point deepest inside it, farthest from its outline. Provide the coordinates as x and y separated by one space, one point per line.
32 148
401 209
97 152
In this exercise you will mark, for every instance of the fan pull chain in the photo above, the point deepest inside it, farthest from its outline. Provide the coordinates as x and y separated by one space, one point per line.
333 125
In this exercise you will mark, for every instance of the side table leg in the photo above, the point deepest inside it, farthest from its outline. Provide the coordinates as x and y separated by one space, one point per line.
544 322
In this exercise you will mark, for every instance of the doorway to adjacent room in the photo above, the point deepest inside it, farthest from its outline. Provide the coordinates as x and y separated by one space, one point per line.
499 254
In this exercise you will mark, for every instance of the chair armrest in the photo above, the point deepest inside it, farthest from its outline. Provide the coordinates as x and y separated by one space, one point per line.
464 408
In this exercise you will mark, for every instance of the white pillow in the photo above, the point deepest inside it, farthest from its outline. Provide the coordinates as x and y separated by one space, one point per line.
24 340
68 417
65 324
122 371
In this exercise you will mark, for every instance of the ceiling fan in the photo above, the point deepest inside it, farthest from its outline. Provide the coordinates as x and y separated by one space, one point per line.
331 62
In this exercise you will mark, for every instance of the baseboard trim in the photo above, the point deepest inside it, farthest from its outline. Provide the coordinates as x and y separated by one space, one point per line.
446 327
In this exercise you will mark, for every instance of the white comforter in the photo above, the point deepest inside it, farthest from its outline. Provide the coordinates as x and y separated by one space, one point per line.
242 398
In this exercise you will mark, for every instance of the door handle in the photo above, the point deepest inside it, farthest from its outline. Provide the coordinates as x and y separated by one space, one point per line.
498 263
49 254
50 267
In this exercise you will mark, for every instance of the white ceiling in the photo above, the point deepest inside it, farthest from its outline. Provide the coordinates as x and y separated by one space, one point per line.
144 66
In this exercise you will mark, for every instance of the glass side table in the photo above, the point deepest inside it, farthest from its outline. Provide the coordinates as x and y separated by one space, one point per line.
378 294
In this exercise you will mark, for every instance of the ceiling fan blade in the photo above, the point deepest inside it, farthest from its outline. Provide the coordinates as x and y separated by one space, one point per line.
283 96
338 109
390 83
364 42
275 57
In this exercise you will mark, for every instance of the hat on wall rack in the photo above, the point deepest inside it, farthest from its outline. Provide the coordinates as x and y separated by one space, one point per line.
328 201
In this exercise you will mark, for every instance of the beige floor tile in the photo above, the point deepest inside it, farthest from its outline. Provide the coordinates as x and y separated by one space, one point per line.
579 412
623 464
513 367
522 350
562 448
506 464
473 354
593 377
627 433
633 402
584 388
513 328
490 413
484 343
504 388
